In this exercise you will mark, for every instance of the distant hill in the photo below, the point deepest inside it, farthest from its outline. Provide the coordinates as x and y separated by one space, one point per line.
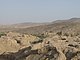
67 20
70 25
22 25
18 26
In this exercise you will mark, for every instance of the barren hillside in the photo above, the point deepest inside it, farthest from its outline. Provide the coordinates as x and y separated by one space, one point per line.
69 26
59 40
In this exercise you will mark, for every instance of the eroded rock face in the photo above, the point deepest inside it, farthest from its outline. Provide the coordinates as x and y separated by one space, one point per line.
47 52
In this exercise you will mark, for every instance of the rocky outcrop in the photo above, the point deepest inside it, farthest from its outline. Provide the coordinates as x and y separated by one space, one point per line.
47 52
13 41
16 46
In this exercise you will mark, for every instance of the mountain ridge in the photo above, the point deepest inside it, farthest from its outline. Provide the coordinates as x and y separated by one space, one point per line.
54 26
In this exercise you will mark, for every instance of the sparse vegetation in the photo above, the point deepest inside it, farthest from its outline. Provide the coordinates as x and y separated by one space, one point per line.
41 36
2 34
59 33
66 34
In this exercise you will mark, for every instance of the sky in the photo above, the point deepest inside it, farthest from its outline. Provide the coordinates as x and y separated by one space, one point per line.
18 11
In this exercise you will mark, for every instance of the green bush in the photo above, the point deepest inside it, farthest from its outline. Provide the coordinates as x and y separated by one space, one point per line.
42 36
59 33
2 34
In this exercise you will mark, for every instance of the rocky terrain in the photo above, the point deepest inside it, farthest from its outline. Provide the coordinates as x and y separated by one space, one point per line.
59 40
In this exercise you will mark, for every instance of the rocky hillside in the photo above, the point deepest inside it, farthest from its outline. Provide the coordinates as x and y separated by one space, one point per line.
59 40
55 46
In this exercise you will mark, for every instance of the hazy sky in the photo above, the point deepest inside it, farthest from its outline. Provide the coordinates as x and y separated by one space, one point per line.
16 11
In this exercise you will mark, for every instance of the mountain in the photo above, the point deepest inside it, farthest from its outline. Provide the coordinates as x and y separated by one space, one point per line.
70 25
67 20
